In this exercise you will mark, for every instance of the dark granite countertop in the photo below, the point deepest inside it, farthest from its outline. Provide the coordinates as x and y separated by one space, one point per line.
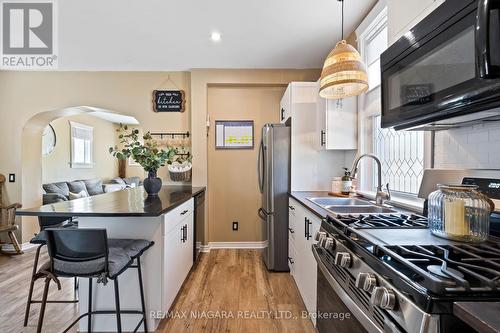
131 202
481 316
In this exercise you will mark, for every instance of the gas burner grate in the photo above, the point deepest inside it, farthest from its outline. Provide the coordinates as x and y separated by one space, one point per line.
367 221
447 268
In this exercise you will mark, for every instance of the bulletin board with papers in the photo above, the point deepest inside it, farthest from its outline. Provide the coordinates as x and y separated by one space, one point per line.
232 134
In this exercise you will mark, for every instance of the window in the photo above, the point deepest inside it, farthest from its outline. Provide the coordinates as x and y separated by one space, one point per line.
82 137
401 152
402 157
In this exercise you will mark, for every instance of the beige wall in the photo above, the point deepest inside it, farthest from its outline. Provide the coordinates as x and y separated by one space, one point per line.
232 174
56 166
200 82
30 100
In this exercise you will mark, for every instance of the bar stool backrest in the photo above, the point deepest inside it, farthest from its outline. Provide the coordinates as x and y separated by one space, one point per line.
78 252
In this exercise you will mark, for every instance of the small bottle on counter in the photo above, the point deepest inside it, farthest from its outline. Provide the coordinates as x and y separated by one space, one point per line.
346 182
337 185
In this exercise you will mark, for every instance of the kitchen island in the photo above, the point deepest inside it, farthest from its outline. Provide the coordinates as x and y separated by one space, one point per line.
129 214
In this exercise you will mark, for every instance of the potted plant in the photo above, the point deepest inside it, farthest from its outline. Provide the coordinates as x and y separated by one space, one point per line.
146 153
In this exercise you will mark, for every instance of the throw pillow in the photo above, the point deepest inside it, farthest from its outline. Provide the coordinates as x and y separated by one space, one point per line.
60 188
94 186
77 186
81 194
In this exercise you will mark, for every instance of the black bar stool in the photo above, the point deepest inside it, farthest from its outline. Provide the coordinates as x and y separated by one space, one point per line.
89 253
40 240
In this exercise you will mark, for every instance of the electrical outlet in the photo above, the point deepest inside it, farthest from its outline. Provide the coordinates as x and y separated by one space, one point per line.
235 226
12 177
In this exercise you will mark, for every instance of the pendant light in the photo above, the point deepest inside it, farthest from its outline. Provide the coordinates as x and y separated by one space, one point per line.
344 73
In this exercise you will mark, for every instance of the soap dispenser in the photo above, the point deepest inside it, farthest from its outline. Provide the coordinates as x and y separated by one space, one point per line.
346 182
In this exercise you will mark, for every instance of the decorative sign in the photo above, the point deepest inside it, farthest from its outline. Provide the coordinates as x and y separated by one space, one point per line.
168 101
416 94
234 134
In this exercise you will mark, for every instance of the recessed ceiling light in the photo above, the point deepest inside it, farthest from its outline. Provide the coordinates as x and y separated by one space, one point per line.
215 36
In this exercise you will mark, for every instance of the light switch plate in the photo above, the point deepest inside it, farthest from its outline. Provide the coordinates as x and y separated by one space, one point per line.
12 177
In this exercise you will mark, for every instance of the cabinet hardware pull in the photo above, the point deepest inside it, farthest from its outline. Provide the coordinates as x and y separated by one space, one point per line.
323 141
282 114
182 234
291 207
291 260
291 230
184 212
307 232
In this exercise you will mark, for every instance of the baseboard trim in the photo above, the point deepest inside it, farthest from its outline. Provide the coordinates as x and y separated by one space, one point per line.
231 245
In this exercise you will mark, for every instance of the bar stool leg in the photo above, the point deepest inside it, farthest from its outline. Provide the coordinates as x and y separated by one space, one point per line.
32 284
117 304
89 323
143 304
42 308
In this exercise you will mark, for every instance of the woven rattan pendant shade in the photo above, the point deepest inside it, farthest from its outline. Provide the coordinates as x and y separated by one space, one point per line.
344 73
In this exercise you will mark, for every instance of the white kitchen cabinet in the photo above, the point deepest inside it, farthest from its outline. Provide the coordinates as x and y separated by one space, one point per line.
302 264
297 94
178 245
285 109
337 123
403 15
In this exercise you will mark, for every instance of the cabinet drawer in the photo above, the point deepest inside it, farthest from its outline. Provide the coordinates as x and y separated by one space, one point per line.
176 215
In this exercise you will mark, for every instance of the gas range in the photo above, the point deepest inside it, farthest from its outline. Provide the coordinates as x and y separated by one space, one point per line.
399 277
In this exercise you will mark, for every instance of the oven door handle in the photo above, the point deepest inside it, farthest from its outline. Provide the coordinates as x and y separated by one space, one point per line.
364 320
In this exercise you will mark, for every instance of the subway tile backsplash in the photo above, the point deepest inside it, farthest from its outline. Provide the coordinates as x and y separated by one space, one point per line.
476 147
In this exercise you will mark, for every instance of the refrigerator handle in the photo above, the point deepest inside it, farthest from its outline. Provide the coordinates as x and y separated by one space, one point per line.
260 163
262 214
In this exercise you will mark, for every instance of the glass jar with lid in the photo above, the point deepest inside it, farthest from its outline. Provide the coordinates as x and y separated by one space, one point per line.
460 212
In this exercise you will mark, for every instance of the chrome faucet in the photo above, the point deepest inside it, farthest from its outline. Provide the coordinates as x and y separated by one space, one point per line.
381 196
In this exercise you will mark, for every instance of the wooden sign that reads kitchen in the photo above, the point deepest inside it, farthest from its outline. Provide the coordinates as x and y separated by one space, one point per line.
168 101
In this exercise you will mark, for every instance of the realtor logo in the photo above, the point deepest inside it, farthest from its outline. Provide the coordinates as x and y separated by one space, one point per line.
28 35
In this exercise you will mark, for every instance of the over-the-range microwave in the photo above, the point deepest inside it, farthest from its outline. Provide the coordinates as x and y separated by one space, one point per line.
445 72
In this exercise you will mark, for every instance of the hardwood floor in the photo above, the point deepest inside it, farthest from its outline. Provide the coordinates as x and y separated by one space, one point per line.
237 282
15 275
227 290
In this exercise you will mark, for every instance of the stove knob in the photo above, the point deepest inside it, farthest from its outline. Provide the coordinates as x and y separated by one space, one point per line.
320 235
366 281
343 259
384 298
329 244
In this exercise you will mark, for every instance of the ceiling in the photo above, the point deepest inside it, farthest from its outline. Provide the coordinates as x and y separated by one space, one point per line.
175 34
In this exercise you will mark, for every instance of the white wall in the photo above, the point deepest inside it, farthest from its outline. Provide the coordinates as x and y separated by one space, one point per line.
473 147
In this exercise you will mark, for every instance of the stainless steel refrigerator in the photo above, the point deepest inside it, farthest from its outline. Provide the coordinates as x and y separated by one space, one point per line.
274 183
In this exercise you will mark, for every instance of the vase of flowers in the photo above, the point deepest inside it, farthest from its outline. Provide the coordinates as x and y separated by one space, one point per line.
146 153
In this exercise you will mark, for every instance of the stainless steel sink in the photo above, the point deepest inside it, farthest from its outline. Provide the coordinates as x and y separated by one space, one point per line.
359 209
329 201
349 206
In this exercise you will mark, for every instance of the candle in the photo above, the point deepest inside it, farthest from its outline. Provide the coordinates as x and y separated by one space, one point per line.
454 217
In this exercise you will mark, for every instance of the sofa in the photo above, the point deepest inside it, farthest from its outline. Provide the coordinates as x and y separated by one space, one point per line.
64 191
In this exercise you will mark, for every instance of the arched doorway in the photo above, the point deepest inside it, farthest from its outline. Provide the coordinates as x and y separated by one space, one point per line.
32 175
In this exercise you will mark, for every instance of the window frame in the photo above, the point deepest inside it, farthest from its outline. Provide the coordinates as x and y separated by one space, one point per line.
369 33
366 32
84 165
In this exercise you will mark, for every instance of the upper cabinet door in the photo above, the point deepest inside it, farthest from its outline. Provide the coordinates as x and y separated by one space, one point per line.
337 120
285 105
402 15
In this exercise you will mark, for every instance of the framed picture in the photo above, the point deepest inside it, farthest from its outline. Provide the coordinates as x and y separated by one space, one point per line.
234 134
